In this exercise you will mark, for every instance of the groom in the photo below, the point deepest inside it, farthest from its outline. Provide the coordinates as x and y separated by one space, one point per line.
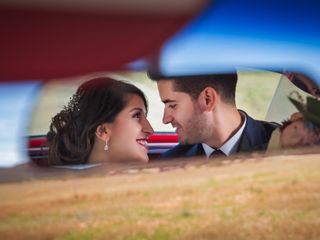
202 109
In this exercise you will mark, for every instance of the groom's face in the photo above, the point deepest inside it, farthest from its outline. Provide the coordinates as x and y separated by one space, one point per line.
182 112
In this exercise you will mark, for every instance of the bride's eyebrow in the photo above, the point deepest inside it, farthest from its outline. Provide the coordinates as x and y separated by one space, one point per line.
138 109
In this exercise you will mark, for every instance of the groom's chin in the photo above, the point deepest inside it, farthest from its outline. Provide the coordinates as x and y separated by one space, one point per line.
183 141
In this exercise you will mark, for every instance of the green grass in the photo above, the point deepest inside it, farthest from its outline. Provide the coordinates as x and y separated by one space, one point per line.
255 91
276 199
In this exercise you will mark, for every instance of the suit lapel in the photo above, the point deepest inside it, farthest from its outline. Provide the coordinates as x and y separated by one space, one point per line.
195 150
253 137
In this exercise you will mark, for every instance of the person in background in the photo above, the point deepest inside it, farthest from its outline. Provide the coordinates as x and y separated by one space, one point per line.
302 128
207 121
105 120
304 83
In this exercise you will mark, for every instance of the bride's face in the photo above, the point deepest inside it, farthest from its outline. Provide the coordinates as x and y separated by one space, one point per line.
129 133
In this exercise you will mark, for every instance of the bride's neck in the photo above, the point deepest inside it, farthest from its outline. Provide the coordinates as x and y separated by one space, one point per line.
97 154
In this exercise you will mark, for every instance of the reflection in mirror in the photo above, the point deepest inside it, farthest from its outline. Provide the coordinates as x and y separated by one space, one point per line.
298 97
280 107
101 116
17 102
57 94
256 91
204 111
304 83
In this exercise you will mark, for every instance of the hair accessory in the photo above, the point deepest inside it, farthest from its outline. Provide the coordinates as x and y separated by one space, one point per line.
106 147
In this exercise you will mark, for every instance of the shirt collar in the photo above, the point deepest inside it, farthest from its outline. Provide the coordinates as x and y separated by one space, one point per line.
231 145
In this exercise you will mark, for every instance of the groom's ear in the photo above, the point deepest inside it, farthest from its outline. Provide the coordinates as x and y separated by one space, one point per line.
103 132
208 99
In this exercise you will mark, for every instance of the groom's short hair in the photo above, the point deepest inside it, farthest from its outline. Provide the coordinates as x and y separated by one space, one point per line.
224 84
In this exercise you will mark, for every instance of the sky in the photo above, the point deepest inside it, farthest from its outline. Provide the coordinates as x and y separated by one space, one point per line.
263 34
16 107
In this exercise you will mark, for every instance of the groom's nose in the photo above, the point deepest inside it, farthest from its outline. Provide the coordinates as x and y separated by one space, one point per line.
167 117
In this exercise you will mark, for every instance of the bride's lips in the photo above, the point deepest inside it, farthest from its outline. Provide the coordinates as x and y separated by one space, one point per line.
143 142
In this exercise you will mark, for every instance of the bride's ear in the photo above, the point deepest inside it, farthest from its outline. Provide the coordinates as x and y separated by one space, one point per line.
103 132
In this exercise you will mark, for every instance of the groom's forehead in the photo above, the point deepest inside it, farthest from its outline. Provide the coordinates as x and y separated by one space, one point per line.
165 85
168 85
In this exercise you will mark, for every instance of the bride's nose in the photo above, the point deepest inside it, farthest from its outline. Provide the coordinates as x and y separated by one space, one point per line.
146 127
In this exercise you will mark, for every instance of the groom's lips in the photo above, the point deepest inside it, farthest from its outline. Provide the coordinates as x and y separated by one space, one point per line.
177 127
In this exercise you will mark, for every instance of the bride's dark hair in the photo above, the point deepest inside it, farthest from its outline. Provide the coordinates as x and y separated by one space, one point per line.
72 131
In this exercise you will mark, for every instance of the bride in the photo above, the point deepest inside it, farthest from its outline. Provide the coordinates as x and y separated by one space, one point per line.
105 120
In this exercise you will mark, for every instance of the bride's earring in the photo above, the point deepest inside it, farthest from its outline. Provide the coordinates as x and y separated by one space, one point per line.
106 146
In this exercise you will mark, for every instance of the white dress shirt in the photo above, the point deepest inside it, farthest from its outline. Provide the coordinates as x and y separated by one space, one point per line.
231 145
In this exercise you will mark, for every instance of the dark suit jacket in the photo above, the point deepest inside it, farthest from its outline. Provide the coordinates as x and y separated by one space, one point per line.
255 137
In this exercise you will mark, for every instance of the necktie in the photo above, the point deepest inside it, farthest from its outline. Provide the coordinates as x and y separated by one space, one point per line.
217 153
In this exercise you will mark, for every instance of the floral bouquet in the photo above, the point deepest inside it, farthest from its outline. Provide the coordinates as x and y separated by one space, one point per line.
303 127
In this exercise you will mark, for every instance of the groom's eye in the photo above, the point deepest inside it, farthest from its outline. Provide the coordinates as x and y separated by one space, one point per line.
172 106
